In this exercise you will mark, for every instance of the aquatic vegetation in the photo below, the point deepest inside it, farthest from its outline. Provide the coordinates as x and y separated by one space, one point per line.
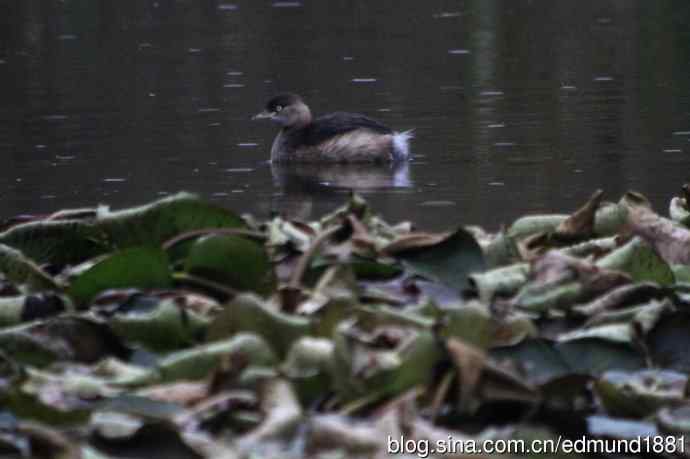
179 329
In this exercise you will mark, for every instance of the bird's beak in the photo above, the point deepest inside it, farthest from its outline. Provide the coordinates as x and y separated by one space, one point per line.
264 115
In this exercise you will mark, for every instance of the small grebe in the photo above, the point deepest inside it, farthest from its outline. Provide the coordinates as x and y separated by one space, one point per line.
337 137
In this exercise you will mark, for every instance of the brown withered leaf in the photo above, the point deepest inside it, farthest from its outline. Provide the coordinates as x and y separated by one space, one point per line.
362 241
184 392
670 240
557 268
620 297
414 241
580 225
469 362
555 265
535 245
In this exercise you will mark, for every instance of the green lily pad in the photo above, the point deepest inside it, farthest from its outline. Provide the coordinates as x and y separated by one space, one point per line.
70 338
640 393
533 224
164 327
59 242
142 267
197 362
470 322
371 269
362 370
19 269
537 359
639 260
155 223
24 308
249 313
73 241
449 261
542 361
236 261
593 356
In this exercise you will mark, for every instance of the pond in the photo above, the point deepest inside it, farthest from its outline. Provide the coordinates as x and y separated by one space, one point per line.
517 106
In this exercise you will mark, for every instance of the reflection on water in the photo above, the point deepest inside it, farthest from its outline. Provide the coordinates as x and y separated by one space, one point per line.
307 190
517 105
365 177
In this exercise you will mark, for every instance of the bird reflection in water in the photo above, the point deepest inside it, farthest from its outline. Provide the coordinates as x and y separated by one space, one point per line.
307 190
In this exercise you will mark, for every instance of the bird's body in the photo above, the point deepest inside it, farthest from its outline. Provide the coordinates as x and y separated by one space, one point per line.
337 138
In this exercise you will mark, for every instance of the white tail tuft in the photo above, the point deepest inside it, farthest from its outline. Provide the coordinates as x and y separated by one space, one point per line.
401 145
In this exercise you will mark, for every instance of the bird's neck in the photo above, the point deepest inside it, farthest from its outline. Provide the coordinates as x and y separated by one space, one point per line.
301 117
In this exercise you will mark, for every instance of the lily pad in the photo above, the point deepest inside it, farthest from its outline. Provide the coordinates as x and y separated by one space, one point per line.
236 261
450 260
640 261
142 267
21 270
195 363
669 341
155 223
59 242
23 308
640 393
165 327
72 241
542 361
249 313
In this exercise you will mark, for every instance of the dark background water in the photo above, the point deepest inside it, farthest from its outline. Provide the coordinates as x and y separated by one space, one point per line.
518 106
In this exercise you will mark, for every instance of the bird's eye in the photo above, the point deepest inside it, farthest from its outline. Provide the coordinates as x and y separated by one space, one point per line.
279 108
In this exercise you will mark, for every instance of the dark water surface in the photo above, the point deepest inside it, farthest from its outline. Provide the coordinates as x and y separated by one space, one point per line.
518 106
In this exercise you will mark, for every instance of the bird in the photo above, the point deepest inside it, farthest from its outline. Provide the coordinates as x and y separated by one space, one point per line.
338 137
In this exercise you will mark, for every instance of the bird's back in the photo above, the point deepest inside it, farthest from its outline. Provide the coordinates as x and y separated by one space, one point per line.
337 137
328 126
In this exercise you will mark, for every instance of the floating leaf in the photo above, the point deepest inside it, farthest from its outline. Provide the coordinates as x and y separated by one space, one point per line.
499 282
163 327
152 440
470 322
141 267
370 269
541 361
61 338
404 358
197 362
450 259
19 269
641 393
308 366
640 261
668 238
232 260
534 224
249 313
669 341
580 225
59 242
155 223
24 308
72 241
